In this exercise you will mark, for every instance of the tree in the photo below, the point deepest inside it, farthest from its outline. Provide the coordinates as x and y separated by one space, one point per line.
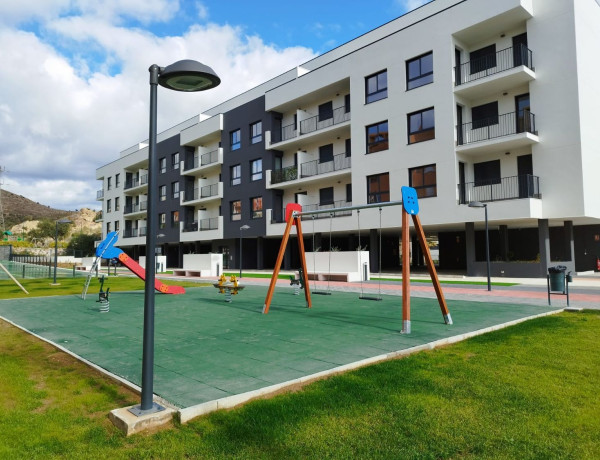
46 228
82 245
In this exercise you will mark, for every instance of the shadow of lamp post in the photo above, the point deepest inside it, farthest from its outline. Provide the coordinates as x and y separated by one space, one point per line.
479 204
187 76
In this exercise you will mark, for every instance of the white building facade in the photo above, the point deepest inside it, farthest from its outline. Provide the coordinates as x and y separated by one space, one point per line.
473 100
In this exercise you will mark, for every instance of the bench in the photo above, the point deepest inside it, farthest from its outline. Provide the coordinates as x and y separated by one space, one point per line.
326 276
184 272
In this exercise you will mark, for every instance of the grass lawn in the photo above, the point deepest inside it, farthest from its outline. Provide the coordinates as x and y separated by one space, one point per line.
42 286
529 391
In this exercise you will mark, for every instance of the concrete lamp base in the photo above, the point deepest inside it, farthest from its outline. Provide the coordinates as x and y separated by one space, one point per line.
129 424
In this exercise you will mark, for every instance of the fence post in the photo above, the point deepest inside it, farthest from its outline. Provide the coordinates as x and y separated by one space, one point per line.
23 271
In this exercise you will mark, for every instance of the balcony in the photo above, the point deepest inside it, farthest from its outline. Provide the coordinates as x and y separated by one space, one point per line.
506 188
277 218
210 228
212 223
136 185
100 195
310 127
203 194
99 217
203 163
502 132
508 68
139 208
311 169
134 232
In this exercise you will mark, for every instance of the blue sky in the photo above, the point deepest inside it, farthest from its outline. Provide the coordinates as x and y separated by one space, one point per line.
73 85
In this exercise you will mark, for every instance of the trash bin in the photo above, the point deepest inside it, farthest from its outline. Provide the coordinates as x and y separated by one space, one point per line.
557 278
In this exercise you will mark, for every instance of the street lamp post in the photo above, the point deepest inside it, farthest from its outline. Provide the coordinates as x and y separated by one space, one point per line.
61 221
243 227
479 204
187 76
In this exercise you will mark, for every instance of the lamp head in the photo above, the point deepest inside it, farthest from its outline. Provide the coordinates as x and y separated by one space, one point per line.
188 76
477 204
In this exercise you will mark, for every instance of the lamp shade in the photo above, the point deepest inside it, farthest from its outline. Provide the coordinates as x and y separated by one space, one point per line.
188 76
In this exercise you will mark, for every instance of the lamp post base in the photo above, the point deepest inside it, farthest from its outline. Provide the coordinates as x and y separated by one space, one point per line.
139 412
129 422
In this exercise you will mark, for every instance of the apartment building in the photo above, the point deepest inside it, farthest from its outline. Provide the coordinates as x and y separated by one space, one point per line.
465 100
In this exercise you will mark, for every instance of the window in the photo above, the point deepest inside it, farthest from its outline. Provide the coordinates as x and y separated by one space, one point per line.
162 165
326 153
376 87
487 173
378 188
236 210
236 139
162 220
483 59
257 207
116 225
485 115
108 205
419 71
377 137
175 160
326 111
348 147
236 175
117 180
349 193
175 219
347 103
423 179
325 196
162 192
256 169
108 183
421 126
256 132
117 204
175 189
108 227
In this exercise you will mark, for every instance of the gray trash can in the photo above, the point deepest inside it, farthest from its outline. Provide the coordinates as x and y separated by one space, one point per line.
557 278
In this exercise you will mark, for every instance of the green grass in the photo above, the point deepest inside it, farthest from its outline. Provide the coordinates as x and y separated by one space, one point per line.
39 287
526 392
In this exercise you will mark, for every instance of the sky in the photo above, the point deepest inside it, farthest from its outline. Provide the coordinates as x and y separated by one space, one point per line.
74 76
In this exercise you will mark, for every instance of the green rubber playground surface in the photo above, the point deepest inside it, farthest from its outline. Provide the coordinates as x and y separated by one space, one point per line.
206 349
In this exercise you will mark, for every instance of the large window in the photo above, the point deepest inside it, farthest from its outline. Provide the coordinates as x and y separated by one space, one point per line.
175 189
236 139
326 111
487 173
377 137
376 87
257 207
326 153
175 160
424 180
256 132
236 174
485 115
326 196
162 165
236 210
162 191
483 59
256 169
378 188
419 71
421 126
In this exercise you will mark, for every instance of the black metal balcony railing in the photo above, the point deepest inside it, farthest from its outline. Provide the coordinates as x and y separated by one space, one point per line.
284 174
132 183
190 227
99 194
314 168
498 126
494 63
506 188
322 121
279 218
140 207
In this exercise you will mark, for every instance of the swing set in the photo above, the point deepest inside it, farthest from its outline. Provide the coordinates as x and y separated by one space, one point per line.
410 206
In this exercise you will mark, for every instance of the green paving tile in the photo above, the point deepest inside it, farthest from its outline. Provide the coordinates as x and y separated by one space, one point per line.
206 348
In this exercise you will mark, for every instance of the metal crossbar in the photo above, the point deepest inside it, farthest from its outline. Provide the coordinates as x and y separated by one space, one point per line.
347 208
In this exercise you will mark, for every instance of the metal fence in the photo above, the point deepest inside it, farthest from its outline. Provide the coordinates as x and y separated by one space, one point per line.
506 188
493 63
497 126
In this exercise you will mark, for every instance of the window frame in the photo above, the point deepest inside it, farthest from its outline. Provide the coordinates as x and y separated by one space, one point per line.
380 92
257 212
258 174
117 180
326 195
162 193
256 137
108 183
235 139
235 205
423 190
162 165
175 218
481 64
175 160
117 204
108 205
235 179
376 196
423 134
325 153
415 82
325 111
374 147
485 115
175 193
490 170
162 220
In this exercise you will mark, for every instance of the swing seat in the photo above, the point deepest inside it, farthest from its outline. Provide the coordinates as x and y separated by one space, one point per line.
366 297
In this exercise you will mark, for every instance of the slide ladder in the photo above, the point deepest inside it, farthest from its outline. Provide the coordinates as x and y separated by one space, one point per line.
100 250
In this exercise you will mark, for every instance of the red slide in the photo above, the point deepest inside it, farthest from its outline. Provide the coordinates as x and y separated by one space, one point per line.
141 273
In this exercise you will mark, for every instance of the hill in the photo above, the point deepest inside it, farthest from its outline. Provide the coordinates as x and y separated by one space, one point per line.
18 209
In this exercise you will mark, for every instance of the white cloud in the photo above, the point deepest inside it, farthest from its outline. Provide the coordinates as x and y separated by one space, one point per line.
59 120
202 10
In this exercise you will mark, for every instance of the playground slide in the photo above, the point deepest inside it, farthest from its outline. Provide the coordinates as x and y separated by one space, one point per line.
107 250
